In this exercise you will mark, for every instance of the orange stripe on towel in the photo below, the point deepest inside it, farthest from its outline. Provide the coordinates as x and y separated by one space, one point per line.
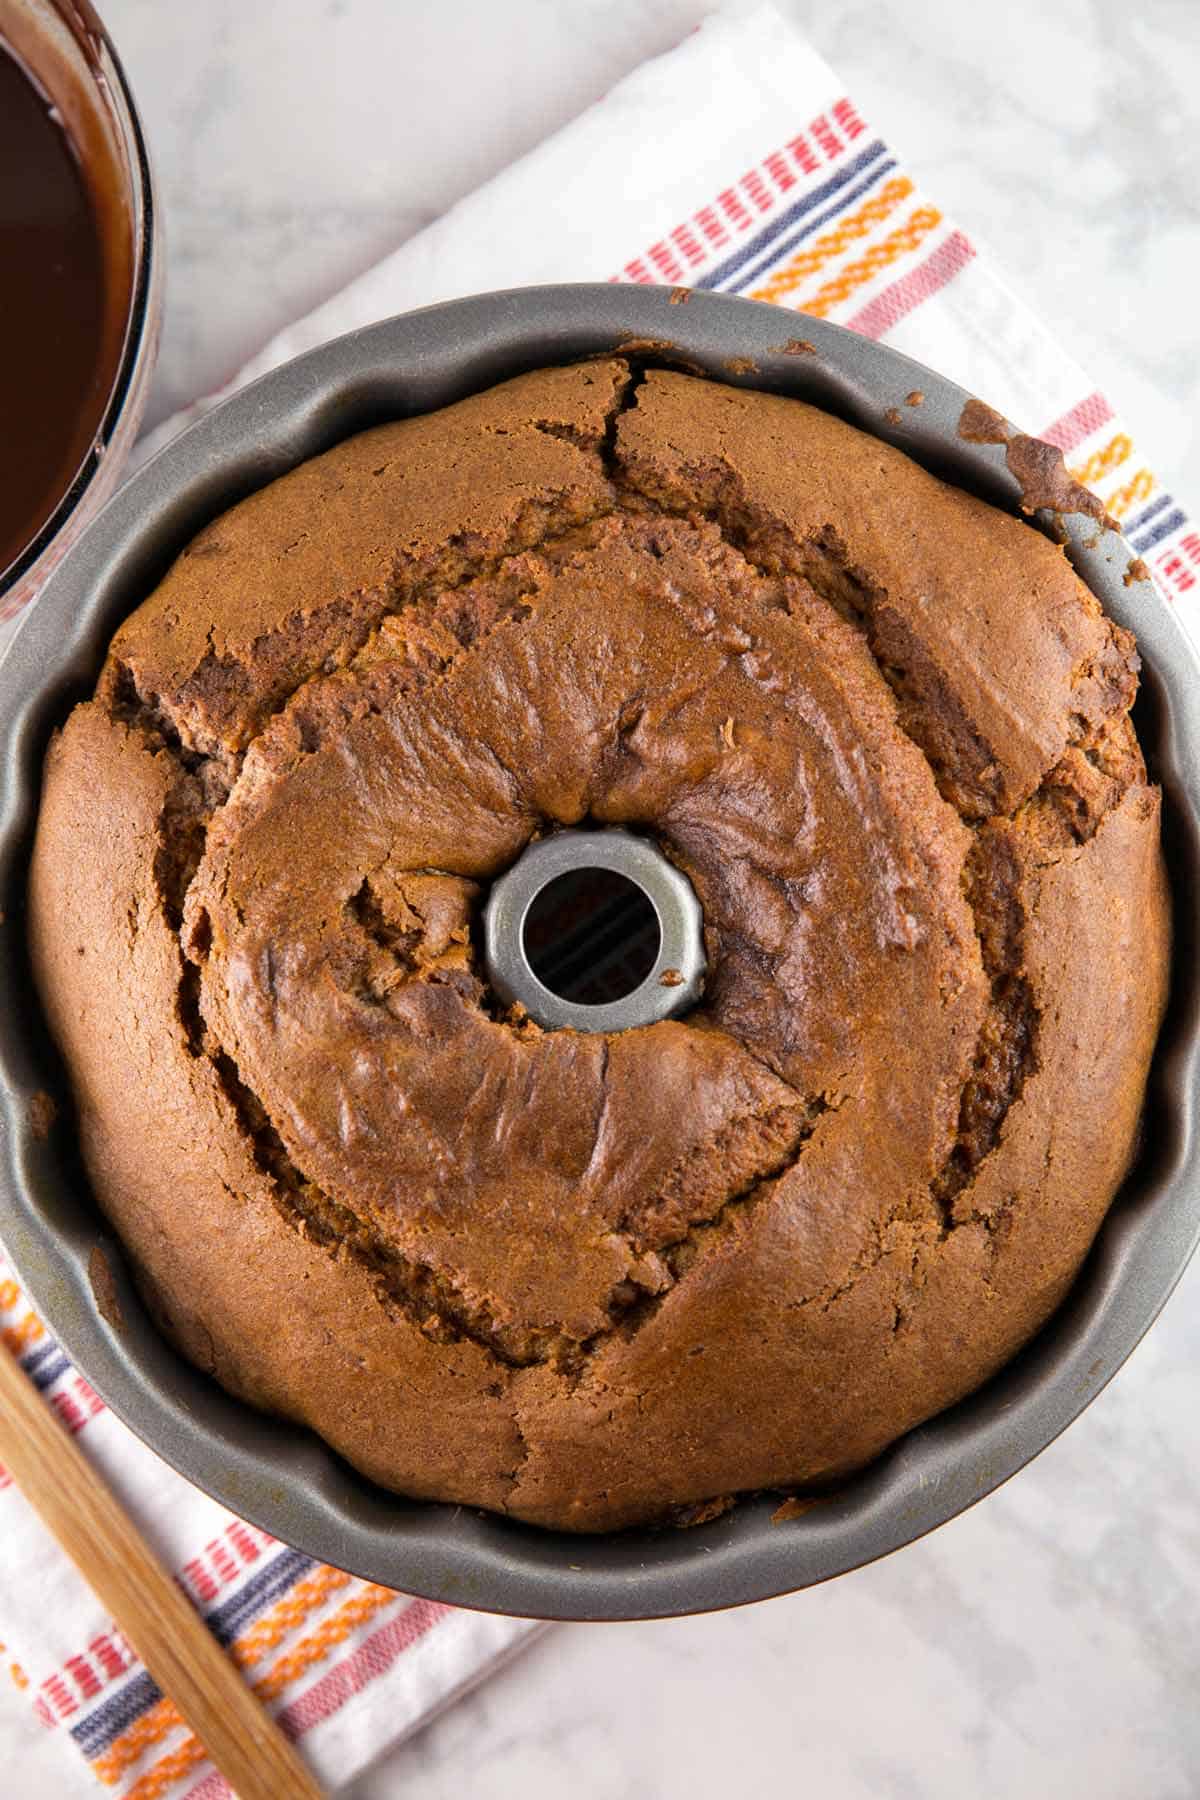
1103 462
879 257
855 225
168 1770
26 1331
328 1635
247 1650
313 1649
1126 498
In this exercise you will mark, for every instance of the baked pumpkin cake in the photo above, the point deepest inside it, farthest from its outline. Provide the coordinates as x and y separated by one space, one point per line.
588 1280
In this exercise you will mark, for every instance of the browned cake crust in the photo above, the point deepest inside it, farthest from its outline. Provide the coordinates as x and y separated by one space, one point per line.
579 1279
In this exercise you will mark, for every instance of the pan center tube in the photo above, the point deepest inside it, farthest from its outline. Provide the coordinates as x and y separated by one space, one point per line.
594 931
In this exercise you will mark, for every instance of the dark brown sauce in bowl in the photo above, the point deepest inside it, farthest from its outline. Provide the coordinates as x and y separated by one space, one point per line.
80 283
58 353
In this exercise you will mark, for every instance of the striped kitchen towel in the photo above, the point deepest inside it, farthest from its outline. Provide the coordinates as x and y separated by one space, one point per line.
347 1667
737 162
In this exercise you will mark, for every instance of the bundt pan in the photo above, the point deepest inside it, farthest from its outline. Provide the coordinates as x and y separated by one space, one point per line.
281 1476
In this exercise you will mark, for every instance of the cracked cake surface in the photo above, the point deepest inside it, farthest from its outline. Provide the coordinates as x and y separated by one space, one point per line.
594 1280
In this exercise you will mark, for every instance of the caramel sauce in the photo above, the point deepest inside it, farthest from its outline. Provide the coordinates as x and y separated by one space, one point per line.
57 356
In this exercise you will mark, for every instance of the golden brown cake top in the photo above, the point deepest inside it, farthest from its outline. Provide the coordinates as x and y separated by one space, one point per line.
883 729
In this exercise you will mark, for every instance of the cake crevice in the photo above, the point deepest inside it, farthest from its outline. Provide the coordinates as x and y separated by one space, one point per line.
594 1281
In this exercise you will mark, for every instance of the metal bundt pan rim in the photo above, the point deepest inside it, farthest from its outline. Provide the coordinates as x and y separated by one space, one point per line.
280 1475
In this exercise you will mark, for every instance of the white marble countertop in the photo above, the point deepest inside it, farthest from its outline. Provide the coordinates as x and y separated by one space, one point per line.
1048 1643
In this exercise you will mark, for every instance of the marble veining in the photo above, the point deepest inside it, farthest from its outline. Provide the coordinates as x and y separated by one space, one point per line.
1046 1644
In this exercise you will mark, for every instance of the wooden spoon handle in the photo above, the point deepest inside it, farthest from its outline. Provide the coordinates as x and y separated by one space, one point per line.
184 1658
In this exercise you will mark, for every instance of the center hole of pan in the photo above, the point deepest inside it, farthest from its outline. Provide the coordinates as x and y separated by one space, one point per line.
591 936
